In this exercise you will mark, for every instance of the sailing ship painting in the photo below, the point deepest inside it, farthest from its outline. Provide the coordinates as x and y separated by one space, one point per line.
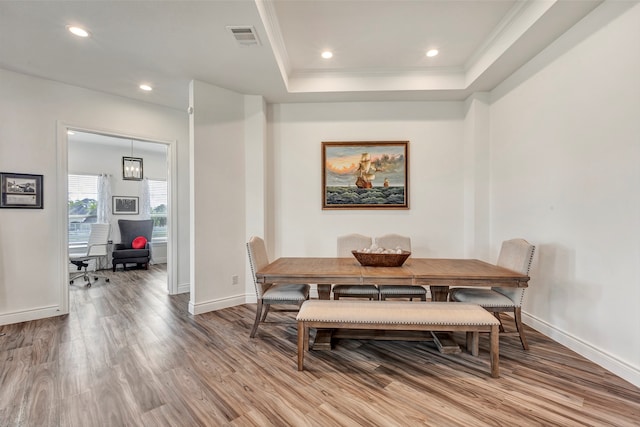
365 172
365 175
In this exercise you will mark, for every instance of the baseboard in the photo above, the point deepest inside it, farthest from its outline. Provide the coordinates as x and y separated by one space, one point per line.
183 288
205 307
32 314
619 367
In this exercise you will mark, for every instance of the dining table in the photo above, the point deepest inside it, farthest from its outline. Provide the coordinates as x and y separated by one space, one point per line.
439 274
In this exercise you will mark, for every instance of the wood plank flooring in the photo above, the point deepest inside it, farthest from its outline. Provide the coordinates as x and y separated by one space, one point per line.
130 355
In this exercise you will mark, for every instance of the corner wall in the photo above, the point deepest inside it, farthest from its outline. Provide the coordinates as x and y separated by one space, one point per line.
565 156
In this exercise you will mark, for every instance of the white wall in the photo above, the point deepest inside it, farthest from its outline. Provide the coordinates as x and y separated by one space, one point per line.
565 163
30 109
435 133
217 198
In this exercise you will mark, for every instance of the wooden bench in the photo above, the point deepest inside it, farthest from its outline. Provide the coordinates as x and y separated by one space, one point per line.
399 315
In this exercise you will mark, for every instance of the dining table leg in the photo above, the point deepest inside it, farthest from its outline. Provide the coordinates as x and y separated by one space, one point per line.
323 336
439 293
443 340
324 291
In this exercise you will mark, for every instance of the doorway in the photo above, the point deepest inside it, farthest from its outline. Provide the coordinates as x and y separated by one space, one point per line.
91 153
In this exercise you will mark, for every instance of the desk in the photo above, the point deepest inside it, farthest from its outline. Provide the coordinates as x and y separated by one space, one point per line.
437 273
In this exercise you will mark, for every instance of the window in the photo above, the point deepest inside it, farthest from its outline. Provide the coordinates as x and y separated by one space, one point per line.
82 207
158 201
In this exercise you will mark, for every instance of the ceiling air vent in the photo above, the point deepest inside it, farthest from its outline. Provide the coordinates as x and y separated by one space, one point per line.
245 35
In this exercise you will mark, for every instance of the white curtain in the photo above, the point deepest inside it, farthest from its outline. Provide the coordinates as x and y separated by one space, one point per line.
104 198
145 203
104 211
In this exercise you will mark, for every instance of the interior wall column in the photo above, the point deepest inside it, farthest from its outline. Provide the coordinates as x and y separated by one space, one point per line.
256 177
477 162
217 197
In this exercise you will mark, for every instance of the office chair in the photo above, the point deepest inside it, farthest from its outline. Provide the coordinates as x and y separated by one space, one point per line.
96 249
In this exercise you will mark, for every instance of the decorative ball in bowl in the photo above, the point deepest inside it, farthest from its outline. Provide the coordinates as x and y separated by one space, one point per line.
369 259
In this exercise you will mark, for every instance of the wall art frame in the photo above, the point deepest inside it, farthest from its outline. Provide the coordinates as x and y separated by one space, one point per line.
21 191
365 175
125 205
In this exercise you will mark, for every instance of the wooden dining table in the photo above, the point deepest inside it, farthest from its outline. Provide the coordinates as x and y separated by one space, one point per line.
437 273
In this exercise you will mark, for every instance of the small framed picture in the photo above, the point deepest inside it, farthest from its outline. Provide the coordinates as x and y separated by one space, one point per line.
21 190
123 205
132 168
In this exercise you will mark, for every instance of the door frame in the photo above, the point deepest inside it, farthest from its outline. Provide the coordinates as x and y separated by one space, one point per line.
63 215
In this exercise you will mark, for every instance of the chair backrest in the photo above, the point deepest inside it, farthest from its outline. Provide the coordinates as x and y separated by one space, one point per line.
258 258
516 255
350 242
392 241
132 228
98 239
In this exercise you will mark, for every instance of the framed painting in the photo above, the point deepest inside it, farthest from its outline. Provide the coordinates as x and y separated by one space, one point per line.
365 175
125 205
21 190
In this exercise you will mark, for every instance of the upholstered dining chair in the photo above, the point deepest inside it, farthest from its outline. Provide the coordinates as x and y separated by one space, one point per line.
346 244
393 241
516 255
270 293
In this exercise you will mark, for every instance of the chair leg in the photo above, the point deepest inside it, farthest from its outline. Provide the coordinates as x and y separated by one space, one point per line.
496 314
266 310
257 321
517 315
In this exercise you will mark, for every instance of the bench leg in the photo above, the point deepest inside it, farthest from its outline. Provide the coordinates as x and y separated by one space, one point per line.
495 352
303 342
473 342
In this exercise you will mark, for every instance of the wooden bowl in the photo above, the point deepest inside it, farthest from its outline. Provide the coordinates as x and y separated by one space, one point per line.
381 260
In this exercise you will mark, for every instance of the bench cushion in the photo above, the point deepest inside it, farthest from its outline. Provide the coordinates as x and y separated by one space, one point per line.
395 312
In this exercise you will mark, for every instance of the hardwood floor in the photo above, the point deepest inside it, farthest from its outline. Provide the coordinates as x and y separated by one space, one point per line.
130 355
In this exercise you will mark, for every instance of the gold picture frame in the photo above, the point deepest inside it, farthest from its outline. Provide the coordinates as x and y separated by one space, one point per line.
365 175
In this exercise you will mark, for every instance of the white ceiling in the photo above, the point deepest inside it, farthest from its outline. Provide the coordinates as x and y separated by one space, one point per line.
379 45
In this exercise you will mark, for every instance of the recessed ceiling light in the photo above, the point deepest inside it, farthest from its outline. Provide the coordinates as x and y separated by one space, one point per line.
431 53
78 31
327 54
146 87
